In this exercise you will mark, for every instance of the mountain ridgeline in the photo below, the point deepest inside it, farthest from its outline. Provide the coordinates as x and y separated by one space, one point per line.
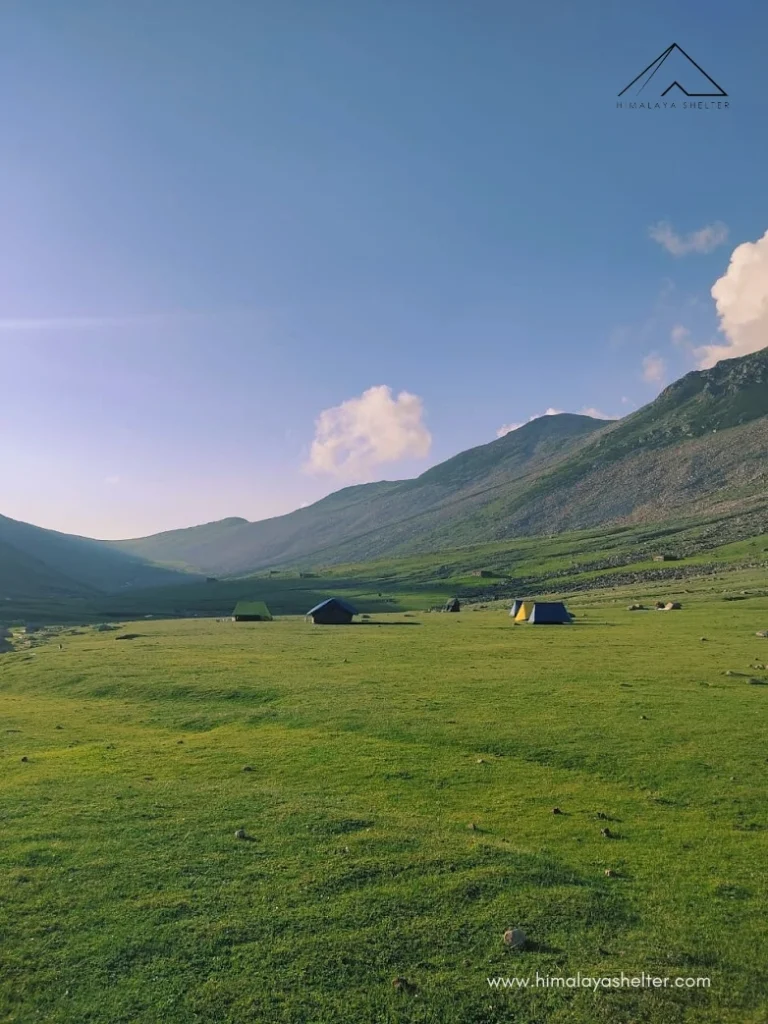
702 444
700 447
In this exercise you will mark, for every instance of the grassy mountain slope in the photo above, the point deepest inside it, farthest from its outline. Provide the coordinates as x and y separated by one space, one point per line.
701 445
60 562
371 519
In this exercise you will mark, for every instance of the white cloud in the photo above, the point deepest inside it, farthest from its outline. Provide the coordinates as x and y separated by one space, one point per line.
741 298
507 428
13 325
704 240
353 438
654 368
590 410
680 335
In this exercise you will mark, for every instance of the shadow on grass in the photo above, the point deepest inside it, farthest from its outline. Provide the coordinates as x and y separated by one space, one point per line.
540 947
369 623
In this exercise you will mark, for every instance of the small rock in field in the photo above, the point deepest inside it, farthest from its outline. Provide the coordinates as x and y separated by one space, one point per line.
556 810
703 639
403 985
481 760
514 938
602 816
610 873
247 768
606 832
644 718
240 834
25 758
472 826
59 726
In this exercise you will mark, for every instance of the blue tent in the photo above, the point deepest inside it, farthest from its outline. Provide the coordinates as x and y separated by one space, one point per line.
332 612
515 607
549 613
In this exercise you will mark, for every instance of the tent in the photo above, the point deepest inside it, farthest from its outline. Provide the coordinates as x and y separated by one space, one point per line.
515 608
251 611
453 605
549 613
524 611
332 612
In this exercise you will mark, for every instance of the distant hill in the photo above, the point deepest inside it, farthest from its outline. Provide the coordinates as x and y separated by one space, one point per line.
35 562
373 519
702 443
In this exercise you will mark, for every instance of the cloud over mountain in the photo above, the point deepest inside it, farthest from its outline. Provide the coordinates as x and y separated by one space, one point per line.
741 298
353 438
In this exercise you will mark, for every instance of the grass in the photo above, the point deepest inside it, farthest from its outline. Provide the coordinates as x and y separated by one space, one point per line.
125 897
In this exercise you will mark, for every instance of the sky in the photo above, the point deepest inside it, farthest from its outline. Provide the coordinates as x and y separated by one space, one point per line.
253 251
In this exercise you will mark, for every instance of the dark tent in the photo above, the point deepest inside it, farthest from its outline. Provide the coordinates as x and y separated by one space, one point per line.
515 607
251 611
549 613
333 612
452 605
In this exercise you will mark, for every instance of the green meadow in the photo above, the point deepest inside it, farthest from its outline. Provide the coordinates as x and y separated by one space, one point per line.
396 781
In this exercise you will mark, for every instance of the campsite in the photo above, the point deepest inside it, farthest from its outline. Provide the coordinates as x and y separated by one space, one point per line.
215 810
384 513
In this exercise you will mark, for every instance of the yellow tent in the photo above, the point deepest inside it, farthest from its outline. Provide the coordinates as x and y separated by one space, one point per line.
524 611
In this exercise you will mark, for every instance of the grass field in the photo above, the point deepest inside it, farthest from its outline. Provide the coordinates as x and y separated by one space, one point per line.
372 749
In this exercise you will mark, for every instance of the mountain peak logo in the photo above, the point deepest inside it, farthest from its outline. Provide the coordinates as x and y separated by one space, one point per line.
679 71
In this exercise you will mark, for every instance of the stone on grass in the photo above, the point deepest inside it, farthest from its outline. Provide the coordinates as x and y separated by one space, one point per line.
606 832
240 834
25 758
247 768
403 985
556 810
610 873
515 938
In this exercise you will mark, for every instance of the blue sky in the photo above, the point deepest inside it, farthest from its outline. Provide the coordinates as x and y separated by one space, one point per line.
221 222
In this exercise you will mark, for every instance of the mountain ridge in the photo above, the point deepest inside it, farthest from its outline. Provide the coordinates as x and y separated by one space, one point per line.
702 443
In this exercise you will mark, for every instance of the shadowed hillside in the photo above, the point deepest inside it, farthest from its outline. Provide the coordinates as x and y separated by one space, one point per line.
36 562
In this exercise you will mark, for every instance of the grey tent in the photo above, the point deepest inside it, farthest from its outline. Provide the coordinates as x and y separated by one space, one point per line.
549 613
453 605
333 612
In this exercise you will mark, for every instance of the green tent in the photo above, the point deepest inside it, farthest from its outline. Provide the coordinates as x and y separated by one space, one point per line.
251 611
